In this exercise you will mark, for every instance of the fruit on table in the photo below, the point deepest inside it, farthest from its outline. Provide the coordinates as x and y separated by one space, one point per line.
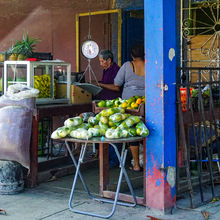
132 132
95 132
110 111
109 103
104 113
80 133
43 84
71 122
142 130
131 103
134 105
93 121
111 123
124 104
101 103
63 131
138 101
104 120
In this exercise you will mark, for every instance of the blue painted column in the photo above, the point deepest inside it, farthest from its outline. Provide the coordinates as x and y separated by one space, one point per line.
160 48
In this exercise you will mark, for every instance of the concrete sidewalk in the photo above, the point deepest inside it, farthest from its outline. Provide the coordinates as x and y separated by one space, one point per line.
49 201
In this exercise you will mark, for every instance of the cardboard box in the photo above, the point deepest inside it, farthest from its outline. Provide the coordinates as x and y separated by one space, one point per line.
77 94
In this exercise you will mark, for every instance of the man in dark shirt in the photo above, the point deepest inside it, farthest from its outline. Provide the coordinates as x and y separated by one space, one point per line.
110 70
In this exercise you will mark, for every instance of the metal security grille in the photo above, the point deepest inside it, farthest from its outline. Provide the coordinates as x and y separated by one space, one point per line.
200 34
198 106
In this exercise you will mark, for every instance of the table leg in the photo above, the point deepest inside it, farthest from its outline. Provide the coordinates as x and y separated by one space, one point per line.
122 160
104 167
80 160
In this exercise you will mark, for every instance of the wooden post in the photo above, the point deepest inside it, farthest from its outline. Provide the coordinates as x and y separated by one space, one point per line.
103 167
32 177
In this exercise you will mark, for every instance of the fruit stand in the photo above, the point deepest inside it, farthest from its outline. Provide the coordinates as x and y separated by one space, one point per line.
111 125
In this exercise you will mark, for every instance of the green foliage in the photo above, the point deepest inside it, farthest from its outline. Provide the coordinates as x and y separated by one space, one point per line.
26 46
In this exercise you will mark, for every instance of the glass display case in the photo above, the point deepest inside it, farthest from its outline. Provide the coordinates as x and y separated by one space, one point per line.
43 76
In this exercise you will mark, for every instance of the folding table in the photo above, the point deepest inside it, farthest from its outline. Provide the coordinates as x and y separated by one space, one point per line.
121 158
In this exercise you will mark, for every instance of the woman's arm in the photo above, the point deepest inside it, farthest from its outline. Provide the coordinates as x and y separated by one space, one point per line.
112 87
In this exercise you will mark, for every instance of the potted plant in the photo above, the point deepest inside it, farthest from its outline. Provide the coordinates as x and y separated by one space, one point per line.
25 47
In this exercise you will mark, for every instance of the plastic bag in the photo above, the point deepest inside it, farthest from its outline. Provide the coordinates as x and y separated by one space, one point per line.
142 130
104 126
98 116
117 117
119 110
19 92
129 122
71 122
123 125
55 135
86 116
95 132
64 131
124 133
110 111
19 95
113 133
93 121
132 132
80 133
104 120
136 119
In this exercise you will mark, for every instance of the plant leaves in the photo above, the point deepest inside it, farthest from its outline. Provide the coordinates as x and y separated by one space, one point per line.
26 46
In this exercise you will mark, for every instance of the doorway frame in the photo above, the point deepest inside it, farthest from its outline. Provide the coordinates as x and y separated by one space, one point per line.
118 11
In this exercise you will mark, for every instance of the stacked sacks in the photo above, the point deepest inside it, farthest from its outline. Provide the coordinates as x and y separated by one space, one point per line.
111 123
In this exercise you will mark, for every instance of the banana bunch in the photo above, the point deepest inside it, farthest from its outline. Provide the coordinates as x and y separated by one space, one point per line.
43 84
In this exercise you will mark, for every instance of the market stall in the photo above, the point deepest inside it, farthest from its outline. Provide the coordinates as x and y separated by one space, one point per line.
58 96
109 126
